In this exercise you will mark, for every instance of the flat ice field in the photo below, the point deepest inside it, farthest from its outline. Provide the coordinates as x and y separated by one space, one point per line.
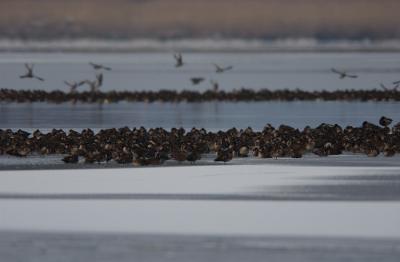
344 209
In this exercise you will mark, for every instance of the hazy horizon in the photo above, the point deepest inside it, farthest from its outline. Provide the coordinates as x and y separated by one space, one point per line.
176 19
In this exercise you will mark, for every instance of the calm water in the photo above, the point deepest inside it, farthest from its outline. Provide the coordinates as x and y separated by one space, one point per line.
145 71
211 115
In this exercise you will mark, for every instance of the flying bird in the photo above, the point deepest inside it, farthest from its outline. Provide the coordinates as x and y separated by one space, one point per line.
196 80
29 73
215 85
94 85
343 74
220 69
385 88
99 78
99 66
74 85
179 60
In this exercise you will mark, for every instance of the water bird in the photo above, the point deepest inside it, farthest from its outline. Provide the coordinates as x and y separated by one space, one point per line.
99 78
385 88
99 66
220 69
385 121
196 80
29 73
179 60
215 85
73 158
343 74
94 84
396 85
224 155
74 85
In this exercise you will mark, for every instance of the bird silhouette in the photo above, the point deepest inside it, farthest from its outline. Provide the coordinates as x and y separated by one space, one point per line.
385 121
179 60
74 85
220 69
99 78
343 74
215 85
396 84
29 73
99 66
387 89
196 80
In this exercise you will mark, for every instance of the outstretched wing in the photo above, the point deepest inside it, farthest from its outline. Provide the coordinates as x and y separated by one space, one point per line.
352 76
29 67
67 83
39 78
337 71
217 67
228 68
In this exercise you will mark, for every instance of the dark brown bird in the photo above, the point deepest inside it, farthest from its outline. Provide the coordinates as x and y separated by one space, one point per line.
179 60
224 155
99 66
29 73
343 74
384 121
220 69
71 159
196 80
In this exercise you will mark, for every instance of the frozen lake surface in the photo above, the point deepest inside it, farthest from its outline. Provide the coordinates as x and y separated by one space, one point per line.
247 212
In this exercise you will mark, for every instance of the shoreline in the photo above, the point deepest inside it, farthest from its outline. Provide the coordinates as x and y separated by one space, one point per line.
289 45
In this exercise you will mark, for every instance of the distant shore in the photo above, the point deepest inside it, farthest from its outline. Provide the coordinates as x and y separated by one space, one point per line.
199 45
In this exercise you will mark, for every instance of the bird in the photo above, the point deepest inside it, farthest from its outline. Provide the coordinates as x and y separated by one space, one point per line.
396 85
215 85
74 85
30 74
99 66
385 88
93 85
343 74
384 121
224 155
196 80
99 78
219 69
179 60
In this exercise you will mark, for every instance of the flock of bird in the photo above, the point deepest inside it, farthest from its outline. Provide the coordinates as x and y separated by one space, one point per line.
95 85
154 146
